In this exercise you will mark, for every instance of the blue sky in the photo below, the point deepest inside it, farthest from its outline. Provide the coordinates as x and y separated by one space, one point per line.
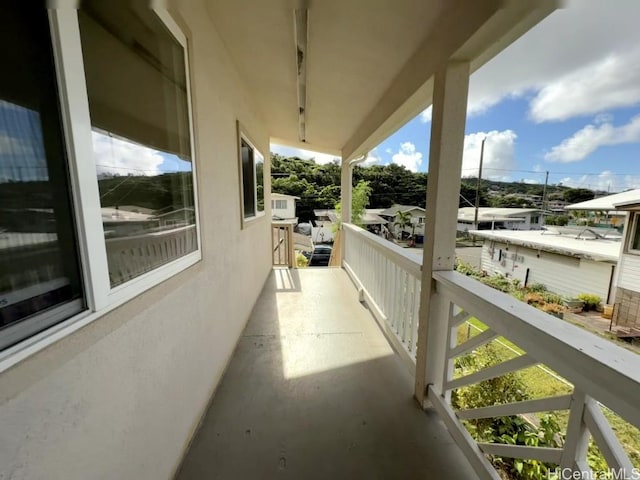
565 98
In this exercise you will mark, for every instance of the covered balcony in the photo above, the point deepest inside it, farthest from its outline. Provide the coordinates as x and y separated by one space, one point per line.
320 383
186 353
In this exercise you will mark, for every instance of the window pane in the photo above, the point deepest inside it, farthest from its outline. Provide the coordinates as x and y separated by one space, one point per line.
248 180
136 83
635 241
260 181
40 281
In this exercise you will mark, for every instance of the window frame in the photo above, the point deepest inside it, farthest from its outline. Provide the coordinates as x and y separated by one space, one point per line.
100 297
242 135
634 224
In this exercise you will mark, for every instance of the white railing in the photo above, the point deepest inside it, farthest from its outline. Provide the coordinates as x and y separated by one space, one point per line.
282 243
389 279
129 257
601 374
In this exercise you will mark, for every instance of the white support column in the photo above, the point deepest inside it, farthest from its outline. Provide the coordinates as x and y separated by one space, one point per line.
345 201
450 90
345 191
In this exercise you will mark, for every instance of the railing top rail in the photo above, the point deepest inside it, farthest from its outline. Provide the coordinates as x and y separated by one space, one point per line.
411 263
605 371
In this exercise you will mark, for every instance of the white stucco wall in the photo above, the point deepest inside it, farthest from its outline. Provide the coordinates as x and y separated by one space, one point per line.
120 398
561 274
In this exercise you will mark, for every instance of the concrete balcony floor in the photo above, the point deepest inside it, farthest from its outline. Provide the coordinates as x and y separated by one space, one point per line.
314 391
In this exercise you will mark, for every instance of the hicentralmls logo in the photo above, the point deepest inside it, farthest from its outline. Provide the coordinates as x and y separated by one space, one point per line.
610 474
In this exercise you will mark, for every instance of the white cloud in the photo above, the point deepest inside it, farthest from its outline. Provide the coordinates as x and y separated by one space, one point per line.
499 154
373 158
603 118
611 82
587 140
119 157
425 116
563 54
319 158
604 181
408 156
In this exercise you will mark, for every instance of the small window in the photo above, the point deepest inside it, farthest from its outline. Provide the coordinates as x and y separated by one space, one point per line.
137 88
279 204
40 281
634 236
252 176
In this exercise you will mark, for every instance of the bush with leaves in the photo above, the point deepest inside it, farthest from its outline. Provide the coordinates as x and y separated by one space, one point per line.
591 301
511 430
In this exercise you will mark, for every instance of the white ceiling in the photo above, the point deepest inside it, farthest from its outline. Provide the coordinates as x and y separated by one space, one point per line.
369 62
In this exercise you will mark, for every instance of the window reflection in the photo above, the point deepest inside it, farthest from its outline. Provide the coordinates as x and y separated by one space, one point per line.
146 199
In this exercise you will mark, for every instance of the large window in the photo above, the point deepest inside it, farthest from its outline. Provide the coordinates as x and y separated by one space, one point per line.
252 177
90 217
136 84
40 281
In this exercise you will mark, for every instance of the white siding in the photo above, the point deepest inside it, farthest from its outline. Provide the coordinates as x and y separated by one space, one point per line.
561 274
629 272
121 397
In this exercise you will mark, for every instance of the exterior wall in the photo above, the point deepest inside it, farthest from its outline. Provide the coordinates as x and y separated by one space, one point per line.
121 397
561 274
627 312
629 276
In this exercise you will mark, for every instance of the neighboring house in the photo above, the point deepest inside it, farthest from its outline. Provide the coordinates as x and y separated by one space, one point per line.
417 218
627 297
283 207
499 219
565 264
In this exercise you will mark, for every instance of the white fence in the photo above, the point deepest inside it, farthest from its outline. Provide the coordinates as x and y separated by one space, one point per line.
600 372
389 279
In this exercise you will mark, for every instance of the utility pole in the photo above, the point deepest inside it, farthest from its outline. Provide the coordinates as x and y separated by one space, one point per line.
475 216
544 193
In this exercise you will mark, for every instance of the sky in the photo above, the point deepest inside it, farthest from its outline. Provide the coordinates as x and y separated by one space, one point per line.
564 98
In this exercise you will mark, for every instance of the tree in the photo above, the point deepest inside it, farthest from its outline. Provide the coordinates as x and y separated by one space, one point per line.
359 202
403 220
576 195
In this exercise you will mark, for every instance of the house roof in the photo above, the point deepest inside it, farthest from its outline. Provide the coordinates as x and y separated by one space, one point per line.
608 202
393 47
283 196
487 214
370 216
606 250
393 210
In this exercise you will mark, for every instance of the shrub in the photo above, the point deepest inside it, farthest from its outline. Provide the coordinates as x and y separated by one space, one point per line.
537 287
535 299
301 260
512 430
552 297
500 282
467 269
591 301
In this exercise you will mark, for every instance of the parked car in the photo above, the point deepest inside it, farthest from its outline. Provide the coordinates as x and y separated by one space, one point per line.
320 256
